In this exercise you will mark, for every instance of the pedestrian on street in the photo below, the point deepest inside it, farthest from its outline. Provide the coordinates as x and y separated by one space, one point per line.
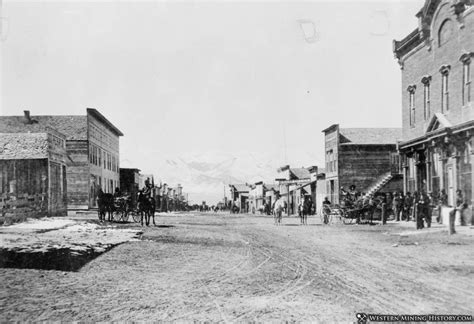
383 208
397 206
414 210
442 201
422 213
407 206
326 209
460 206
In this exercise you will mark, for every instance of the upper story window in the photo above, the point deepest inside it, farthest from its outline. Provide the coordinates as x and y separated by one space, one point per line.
466 77
411 101
444 88
426 96
445 32
330 161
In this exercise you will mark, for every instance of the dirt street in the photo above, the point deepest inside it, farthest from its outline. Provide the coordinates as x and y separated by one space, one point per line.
222 267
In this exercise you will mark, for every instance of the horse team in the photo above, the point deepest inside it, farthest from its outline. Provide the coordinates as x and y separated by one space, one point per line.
146 206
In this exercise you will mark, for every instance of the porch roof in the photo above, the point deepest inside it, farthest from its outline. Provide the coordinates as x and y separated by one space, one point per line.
435 133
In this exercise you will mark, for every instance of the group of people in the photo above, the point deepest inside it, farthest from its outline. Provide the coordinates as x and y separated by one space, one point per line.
418 206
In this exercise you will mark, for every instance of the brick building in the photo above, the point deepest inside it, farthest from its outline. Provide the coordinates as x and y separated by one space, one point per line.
437 91
32 174
364 157
92 144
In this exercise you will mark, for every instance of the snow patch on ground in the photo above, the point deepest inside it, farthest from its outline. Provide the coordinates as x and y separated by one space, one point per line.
39 224
63 233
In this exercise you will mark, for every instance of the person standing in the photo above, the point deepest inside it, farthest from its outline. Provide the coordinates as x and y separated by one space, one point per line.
407 206
326 210
422 213
383 208
397 206
460 206
442 201
414 210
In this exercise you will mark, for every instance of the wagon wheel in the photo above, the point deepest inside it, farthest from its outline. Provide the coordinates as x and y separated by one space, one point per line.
321 216
117 215
125 216
135 216
347 220
339 216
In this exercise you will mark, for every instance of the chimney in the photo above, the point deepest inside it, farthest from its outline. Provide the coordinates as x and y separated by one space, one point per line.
27 116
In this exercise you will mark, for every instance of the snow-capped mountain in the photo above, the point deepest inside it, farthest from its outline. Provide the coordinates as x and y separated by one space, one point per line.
206 176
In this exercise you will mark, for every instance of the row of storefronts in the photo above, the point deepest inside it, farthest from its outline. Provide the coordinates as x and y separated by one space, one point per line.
433 151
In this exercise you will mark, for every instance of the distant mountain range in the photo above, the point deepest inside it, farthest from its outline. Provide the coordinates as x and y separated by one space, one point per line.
206 176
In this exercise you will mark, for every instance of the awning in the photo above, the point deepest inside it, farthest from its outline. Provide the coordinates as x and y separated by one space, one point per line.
306 184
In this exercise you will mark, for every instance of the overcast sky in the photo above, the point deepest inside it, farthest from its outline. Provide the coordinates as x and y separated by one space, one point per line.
208 76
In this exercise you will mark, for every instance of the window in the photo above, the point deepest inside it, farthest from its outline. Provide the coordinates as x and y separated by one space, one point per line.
445 32
411 103
466 77
426 96
444 88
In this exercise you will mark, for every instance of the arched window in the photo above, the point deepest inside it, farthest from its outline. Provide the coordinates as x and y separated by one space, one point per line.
445 32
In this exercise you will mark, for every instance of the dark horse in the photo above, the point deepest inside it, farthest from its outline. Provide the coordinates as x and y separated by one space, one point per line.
146 207
305 211
105 203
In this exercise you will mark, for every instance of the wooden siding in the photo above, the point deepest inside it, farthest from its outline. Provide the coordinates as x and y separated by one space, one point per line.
361 165
31 188
78 175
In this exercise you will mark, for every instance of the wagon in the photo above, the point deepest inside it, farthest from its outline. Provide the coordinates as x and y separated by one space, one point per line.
120 211
340 214
124 208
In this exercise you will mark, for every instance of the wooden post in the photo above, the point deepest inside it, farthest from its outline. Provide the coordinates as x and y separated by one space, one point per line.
452 217
288 200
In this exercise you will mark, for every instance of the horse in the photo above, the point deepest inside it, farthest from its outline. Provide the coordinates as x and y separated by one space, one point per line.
105 204
146 207
278 209
305 211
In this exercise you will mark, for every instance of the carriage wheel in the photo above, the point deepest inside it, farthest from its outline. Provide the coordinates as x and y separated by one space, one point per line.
347 220
125 216
321 216
135 216
117 215
339 217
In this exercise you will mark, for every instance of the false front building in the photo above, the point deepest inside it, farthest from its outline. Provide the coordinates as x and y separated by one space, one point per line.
437 106
364 157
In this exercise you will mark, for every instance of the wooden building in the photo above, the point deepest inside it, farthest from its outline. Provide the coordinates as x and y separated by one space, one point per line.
32 174
239 196
270 193
92 144
364 157
295 185
436 61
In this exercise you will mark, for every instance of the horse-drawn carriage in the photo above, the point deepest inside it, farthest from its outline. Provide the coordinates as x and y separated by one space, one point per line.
349 212
120 208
